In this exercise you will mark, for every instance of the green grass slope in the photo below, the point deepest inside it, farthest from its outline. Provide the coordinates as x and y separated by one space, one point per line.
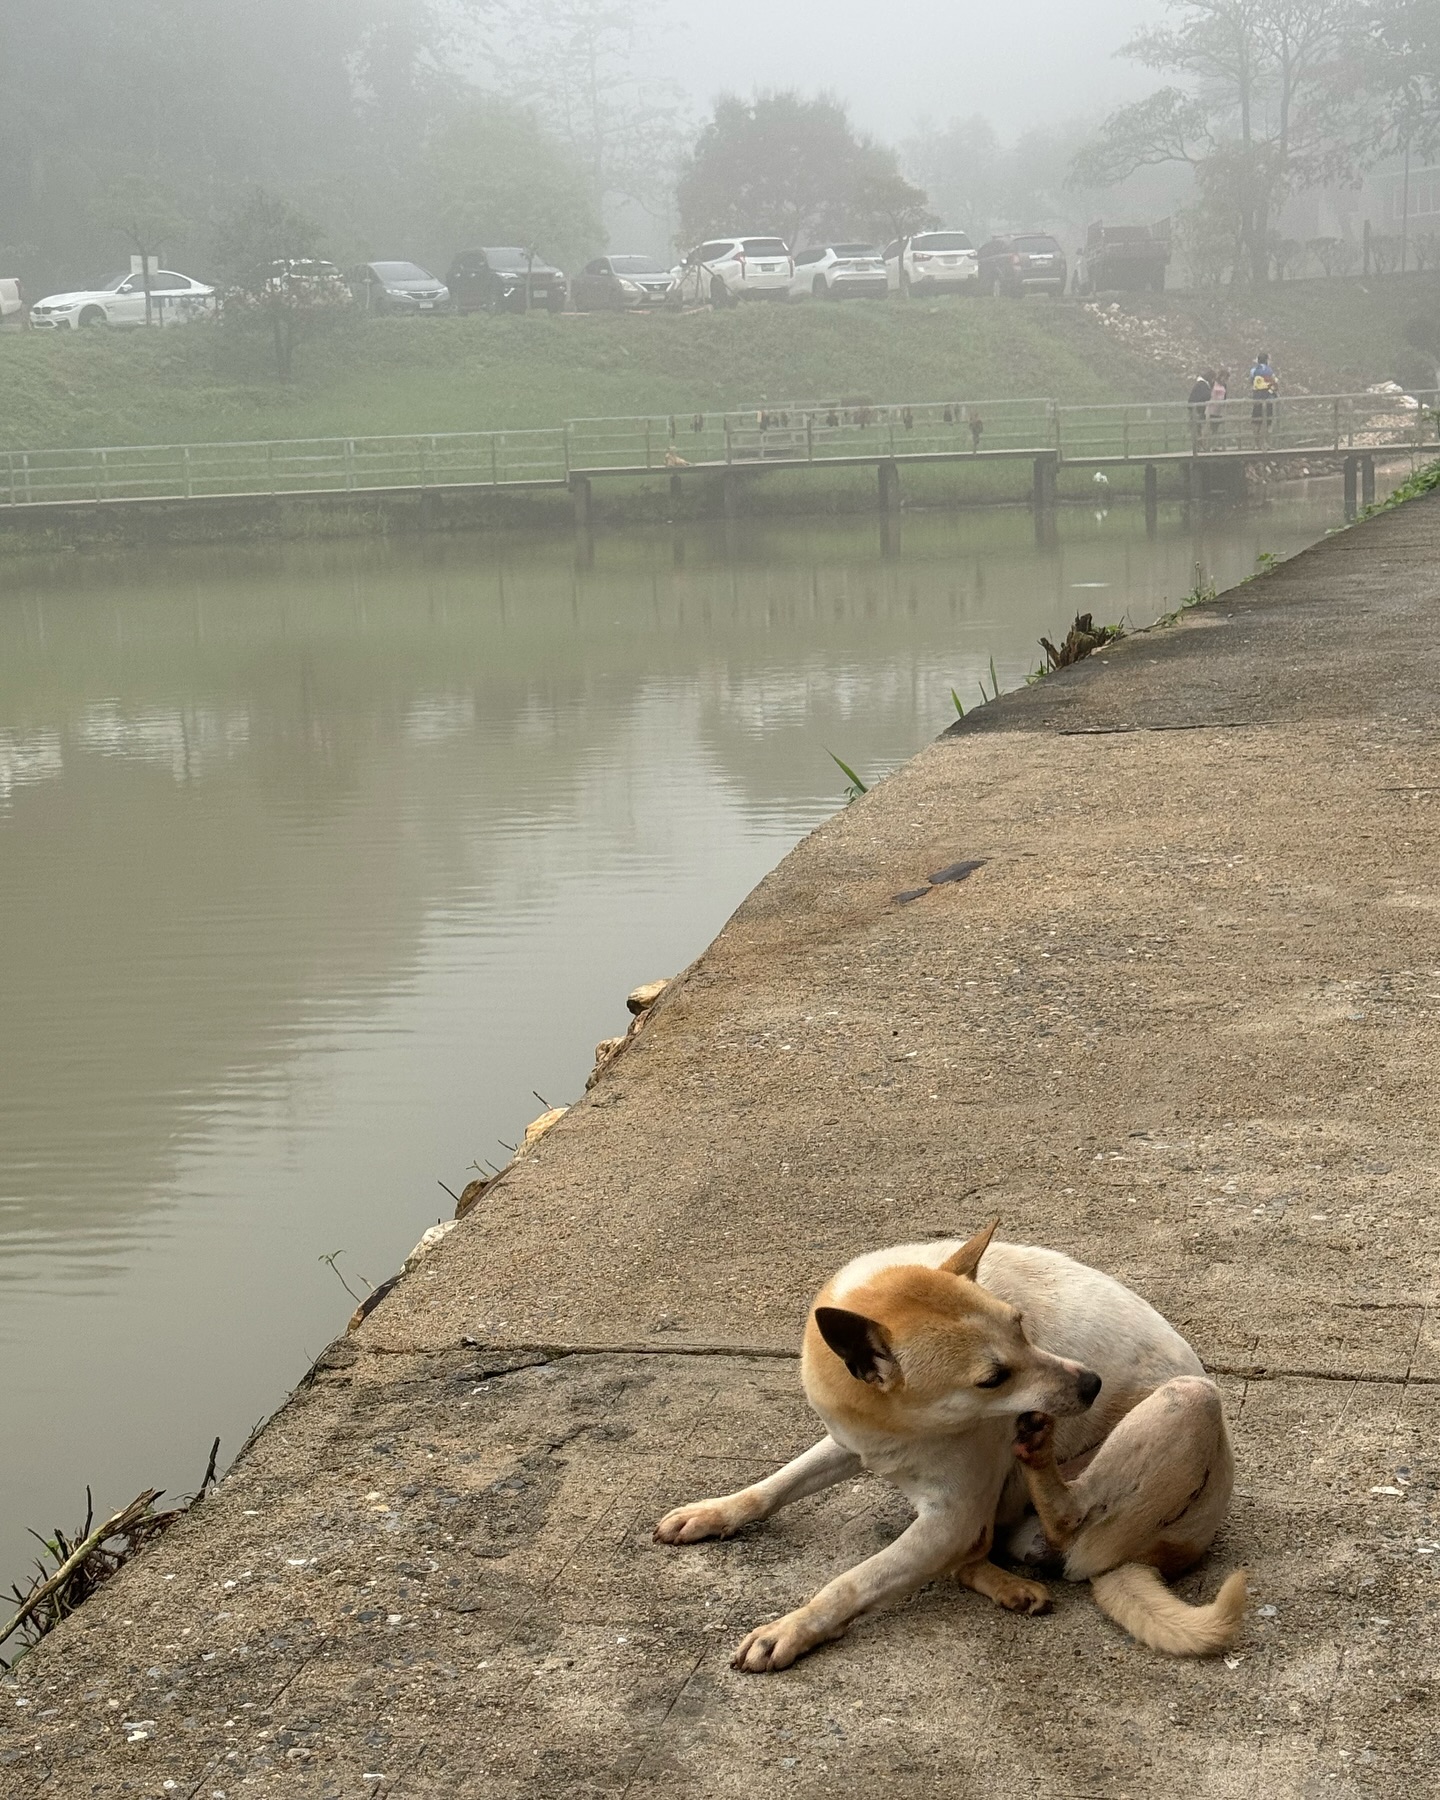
375 376
198 383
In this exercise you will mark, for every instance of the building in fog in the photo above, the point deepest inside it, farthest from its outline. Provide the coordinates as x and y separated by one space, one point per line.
1387 221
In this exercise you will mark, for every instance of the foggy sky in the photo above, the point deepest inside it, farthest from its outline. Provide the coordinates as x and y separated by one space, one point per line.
1020 62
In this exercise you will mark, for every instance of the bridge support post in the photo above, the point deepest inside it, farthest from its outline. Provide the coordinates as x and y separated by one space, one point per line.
1367 481
1152 498
580 495
889 474
1197 481
1352 470
730 493
1042 483
676 488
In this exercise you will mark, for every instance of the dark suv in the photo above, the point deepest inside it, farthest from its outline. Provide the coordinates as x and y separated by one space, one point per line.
1022 262
494 279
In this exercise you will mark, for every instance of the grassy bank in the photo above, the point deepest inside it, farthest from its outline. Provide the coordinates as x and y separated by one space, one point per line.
376 376
373 376
1327 337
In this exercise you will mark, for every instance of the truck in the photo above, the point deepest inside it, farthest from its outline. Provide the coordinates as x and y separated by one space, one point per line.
1122 258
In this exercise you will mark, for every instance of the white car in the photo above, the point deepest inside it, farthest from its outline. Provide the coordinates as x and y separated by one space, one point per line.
839 271
724 270
933 262
173 299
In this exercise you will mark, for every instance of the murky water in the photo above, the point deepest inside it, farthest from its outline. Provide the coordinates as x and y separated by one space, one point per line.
316 861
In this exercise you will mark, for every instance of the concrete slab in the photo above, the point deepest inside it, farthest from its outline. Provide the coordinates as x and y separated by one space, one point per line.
1181 1021
462 1597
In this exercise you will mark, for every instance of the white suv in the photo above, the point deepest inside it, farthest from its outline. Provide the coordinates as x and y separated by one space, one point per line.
724 270
933 262
838 270
173 298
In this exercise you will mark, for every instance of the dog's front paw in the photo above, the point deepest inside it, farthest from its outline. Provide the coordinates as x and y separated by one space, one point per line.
771 1647
701 1519
1034 1437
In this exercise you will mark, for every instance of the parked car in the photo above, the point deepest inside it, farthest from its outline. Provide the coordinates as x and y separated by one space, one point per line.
310 271
725 270
612 283
1129 258
12 300
121 301
495 279
839 271
932 262
397 287
1020 263
306 279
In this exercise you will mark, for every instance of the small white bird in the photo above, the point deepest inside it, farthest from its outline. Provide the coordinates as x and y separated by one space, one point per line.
1101 478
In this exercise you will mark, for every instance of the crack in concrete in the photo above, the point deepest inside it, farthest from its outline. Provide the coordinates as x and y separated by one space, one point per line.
557 1352
1259 1372
1175 725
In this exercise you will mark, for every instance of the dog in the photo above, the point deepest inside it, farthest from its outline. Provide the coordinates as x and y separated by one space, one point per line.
1003 1388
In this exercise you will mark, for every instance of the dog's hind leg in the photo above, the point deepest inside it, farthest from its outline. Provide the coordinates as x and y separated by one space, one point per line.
1156 1491
1014 1592
820 1467
1151 1500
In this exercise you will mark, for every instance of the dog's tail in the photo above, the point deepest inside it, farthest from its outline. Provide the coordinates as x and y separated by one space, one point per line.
1135 1596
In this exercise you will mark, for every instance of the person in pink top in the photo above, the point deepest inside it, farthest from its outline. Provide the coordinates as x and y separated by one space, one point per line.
1215 405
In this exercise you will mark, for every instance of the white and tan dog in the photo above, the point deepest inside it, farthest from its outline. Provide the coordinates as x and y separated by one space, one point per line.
1003 1387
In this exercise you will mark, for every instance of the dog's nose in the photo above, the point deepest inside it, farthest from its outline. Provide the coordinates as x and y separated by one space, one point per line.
1087 1386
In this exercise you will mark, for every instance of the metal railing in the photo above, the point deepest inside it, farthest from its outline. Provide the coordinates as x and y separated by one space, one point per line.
285 466
1318 422
810 432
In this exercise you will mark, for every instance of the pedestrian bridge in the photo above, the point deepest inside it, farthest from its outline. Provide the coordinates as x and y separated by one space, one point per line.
733 445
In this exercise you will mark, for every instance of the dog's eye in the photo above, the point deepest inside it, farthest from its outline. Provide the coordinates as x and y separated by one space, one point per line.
996 1378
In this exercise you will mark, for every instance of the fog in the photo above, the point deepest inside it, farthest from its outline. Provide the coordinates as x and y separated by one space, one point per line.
235 138
1022 65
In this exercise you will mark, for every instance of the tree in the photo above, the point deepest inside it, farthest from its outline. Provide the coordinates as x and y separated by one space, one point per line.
1335 255
964 170
1403 67
983 186
573 62
1267 95
210 97
146 215
794 166
495 177
270 251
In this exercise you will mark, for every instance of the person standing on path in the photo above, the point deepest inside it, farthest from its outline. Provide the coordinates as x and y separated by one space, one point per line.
1215 405
1199 400
1265 390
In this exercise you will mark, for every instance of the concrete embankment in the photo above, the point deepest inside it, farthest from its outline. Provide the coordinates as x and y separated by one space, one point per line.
1182 1022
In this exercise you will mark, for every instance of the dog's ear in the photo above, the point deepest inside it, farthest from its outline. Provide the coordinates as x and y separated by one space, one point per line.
861 1344
966 1259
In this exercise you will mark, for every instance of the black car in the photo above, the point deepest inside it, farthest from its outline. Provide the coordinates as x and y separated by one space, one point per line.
611 283
495 279
1023 262
397 287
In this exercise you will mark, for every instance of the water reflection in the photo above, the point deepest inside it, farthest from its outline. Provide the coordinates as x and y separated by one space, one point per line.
316 860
